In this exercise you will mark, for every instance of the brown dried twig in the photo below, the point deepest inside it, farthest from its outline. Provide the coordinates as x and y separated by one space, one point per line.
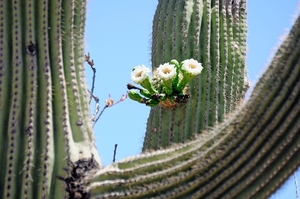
109 103
91 63
115 152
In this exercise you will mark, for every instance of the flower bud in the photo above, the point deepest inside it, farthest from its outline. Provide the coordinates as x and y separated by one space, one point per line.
135 96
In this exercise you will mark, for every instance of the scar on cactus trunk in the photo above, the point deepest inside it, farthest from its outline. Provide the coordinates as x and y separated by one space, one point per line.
77 173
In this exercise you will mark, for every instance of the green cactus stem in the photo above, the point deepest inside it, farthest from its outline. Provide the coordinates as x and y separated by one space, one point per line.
44 110
249 155
214 34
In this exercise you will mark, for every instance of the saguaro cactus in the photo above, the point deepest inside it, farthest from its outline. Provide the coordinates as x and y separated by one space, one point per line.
45 124
44 112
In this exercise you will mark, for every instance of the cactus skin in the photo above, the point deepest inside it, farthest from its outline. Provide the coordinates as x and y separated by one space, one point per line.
44 110
248 155
214 33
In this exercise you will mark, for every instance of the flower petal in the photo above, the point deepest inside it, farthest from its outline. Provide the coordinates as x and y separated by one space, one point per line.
192 67
139 74
166 71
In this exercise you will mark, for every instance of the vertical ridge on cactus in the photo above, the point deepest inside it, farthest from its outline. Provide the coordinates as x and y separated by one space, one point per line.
78 28
30 107
4 76
44 139
14 160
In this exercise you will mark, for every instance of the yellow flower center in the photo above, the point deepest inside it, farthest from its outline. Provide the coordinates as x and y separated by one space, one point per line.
192 66
139 74
166 71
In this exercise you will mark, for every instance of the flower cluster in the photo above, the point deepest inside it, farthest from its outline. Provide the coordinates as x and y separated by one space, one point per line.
167 86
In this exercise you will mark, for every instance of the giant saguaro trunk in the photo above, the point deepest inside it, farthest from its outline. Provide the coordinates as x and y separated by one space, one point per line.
44 110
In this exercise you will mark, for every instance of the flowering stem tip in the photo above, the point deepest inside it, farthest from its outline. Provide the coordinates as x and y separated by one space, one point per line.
167 84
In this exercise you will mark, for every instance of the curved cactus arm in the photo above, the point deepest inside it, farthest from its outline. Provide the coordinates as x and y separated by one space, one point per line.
247 156
212 32
44 111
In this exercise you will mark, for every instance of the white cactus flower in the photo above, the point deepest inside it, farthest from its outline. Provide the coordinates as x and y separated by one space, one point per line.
139 74
166 71
192 67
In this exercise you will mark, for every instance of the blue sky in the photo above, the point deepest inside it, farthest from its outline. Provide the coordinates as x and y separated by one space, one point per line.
118 35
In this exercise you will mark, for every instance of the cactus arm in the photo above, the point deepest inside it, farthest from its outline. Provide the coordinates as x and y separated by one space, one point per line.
249 155
173 165
213 33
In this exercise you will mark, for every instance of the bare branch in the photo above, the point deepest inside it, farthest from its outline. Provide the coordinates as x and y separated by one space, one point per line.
91 63
108 103
115 152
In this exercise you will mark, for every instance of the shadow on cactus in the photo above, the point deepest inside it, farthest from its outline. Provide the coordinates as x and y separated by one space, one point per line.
168 84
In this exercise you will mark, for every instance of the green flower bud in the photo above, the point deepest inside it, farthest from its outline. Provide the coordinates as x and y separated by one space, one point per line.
135 96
